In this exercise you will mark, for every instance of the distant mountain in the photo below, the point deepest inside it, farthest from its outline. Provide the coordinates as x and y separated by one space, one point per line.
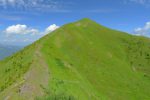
7 50
79 61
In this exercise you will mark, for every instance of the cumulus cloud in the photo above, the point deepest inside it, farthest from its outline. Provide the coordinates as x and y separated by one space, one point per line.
24 29
51 28
20 29
21 33
143 30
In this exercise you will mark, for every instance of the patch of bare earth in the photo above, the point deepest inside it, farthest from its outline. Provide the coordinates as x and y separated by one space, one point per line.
34 82
36 78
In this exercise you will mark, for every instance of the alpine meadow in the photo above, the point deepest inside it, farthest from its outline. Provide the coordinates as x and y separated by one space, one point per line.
81 60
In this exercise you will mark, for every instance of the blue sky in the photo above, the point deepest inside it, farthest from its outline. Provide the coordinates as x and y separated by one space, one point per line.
24 21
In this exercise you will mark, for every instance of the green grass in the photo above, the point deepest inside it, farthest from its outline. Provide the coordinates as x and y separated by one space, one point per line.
88 61
14 67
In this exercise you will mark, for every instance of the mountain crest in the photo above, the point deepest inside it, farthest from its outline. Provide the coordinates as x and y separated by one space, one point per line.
79 61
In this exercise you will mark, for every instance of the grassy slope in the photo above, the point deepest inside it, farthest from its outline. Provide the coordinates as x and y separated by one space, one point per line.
24 75
13 68
90 62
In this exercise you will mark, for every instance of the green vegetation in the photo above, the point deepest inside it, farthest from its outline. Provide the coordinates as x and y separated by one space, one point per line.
85 61
14 67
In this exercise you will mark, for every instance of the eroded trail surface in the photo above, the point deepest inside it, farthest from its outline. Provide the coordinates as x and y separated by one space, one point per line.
34 81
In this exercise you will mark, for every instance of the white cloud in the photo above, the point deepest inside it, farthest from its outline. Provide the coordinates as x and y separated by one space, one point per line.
143 30
16 29
51 28
21 33
20 29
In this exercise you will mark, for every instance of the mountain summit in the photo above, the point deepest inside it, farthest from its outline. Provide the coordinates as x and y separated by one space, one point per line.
79 61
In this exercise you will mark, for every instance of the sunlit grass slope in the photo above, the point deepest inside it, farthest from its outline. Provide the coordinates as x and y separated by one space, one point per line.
85 61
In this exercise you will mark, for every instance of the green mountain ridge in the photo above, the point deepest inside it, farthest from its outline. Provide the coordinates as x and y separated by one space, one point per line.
79 61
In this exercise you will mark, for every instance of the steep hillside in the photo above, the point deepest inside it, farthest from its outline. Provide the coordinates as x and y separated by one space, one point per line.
8 50
79 61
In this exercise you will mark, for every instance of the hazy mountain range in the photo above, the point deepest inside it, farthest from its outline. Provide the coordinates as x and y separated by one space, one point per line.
7 50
